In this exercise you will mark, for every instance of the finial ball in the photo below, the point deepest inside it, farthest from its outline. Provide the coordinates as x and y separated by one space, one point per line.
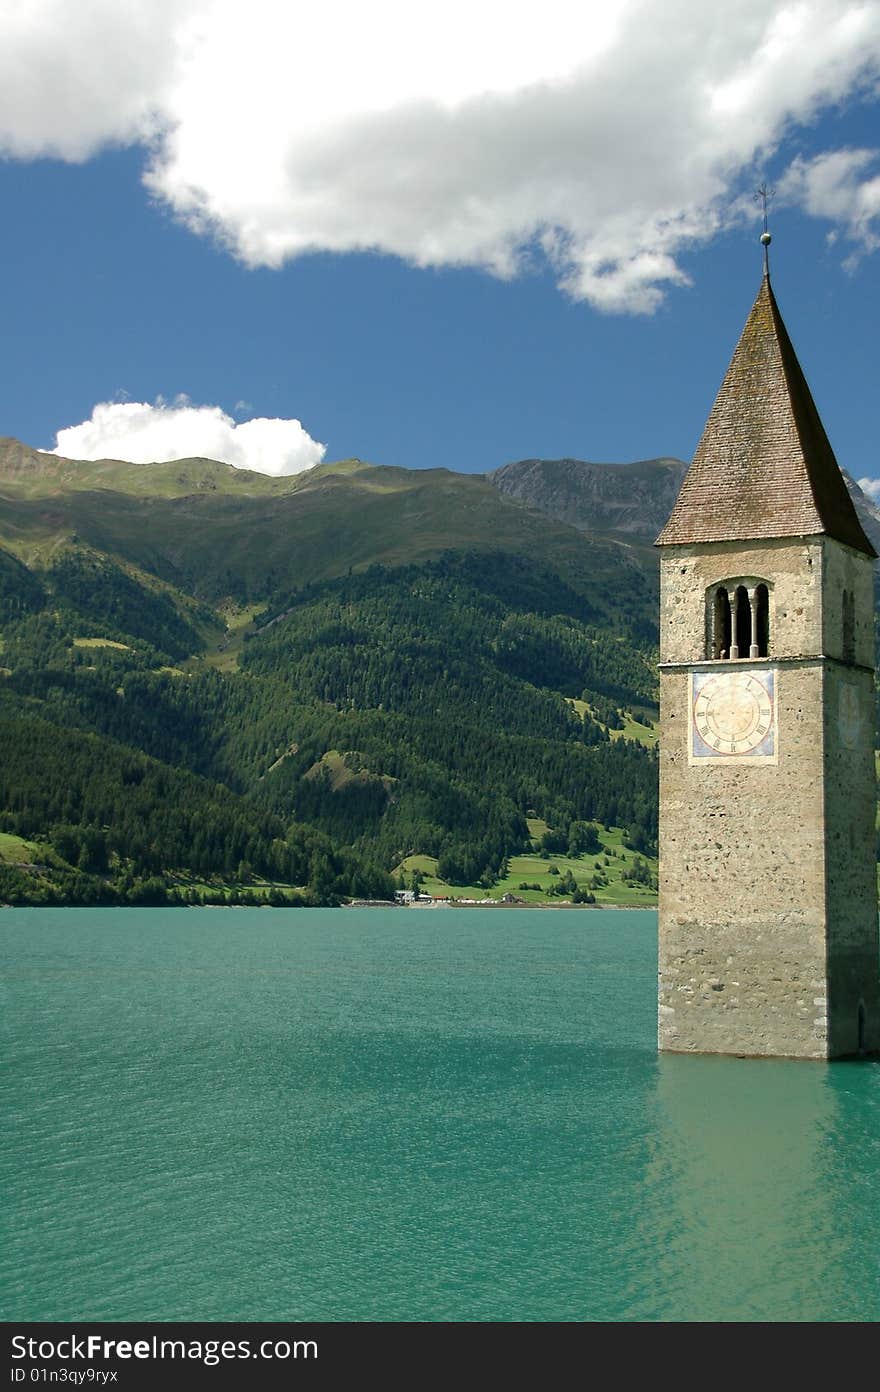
766 239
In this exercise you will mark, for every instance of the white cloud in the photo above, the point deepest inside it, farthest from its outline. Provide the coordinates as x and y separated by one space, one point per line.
75 77
844 186
145 434
871 487
605 135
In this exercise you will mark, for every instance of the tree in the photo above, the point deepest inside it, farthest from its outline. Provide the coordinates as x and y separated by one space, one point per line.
554 842
583 839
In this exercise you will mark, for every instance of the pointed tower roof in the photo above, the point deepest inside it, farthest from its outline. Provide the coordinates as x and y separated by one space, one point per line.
764 467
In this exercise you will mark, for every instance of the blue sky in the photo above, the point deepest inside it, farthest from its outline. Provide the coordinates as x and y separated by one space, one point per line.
556 320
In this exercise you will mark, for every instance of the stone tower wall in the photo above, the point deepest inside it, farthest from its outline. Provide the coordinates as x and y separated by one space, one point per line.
792 568
846 569
742 884
850 807
768 912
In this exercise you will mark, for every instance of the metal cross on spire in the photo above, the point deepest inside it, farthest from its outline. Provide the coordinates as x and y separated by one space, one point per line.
763 196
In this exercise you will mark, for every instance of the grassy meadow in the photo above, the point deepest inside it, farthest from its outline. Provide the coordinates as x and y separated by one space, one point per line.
542 872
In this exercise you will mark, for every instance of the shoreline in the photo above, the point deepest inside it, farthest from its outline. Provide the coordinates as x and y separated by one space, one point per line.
484 904
357 904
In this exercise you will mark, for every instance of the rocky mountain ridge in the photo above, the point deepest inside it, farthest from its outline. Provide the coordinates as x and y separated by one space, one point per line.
629 499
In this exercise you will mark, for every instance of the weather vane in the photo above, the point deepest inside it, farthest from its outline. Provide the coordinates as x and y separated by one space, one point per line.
763 196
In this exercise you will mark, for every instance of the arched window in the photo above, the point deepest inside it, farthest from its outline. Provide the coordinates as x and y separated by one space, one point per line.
849 626
738 620
762 620
742 624
721 624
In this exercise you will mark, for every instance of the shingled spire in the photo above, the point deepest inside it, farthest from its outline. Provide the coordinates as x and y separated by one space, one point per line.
764 467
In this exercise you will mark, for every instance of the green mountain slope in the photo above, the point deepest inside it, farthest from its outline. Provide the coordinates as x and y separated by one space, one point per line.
253 540
20 591
341 671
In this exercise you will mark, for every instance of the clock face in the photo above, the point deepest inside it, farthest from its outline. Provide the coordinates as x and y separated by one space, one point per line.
850 721
733 715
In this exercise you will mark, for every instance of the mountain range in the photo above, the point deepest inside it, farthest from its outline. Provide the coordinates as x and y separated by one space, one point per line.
218 685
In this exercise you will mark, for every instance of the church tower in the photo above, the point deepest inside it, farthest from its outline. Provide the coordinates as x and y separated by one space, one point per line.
768 900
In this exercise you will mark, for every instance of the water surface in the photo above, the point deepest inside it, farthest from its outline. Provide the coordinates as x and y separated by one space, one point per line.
406 1115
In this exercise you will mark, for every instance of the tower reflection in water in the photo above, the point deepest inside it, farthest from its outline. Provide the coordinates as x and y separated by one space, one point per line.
759 1193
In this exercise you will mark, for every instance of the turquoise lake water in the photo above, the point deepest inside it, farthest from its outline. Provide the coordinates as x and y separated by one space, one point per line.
406 1114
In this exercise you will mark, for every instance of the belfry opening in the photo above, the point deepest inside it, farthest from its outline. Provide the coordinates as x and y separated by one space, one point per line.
739 621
